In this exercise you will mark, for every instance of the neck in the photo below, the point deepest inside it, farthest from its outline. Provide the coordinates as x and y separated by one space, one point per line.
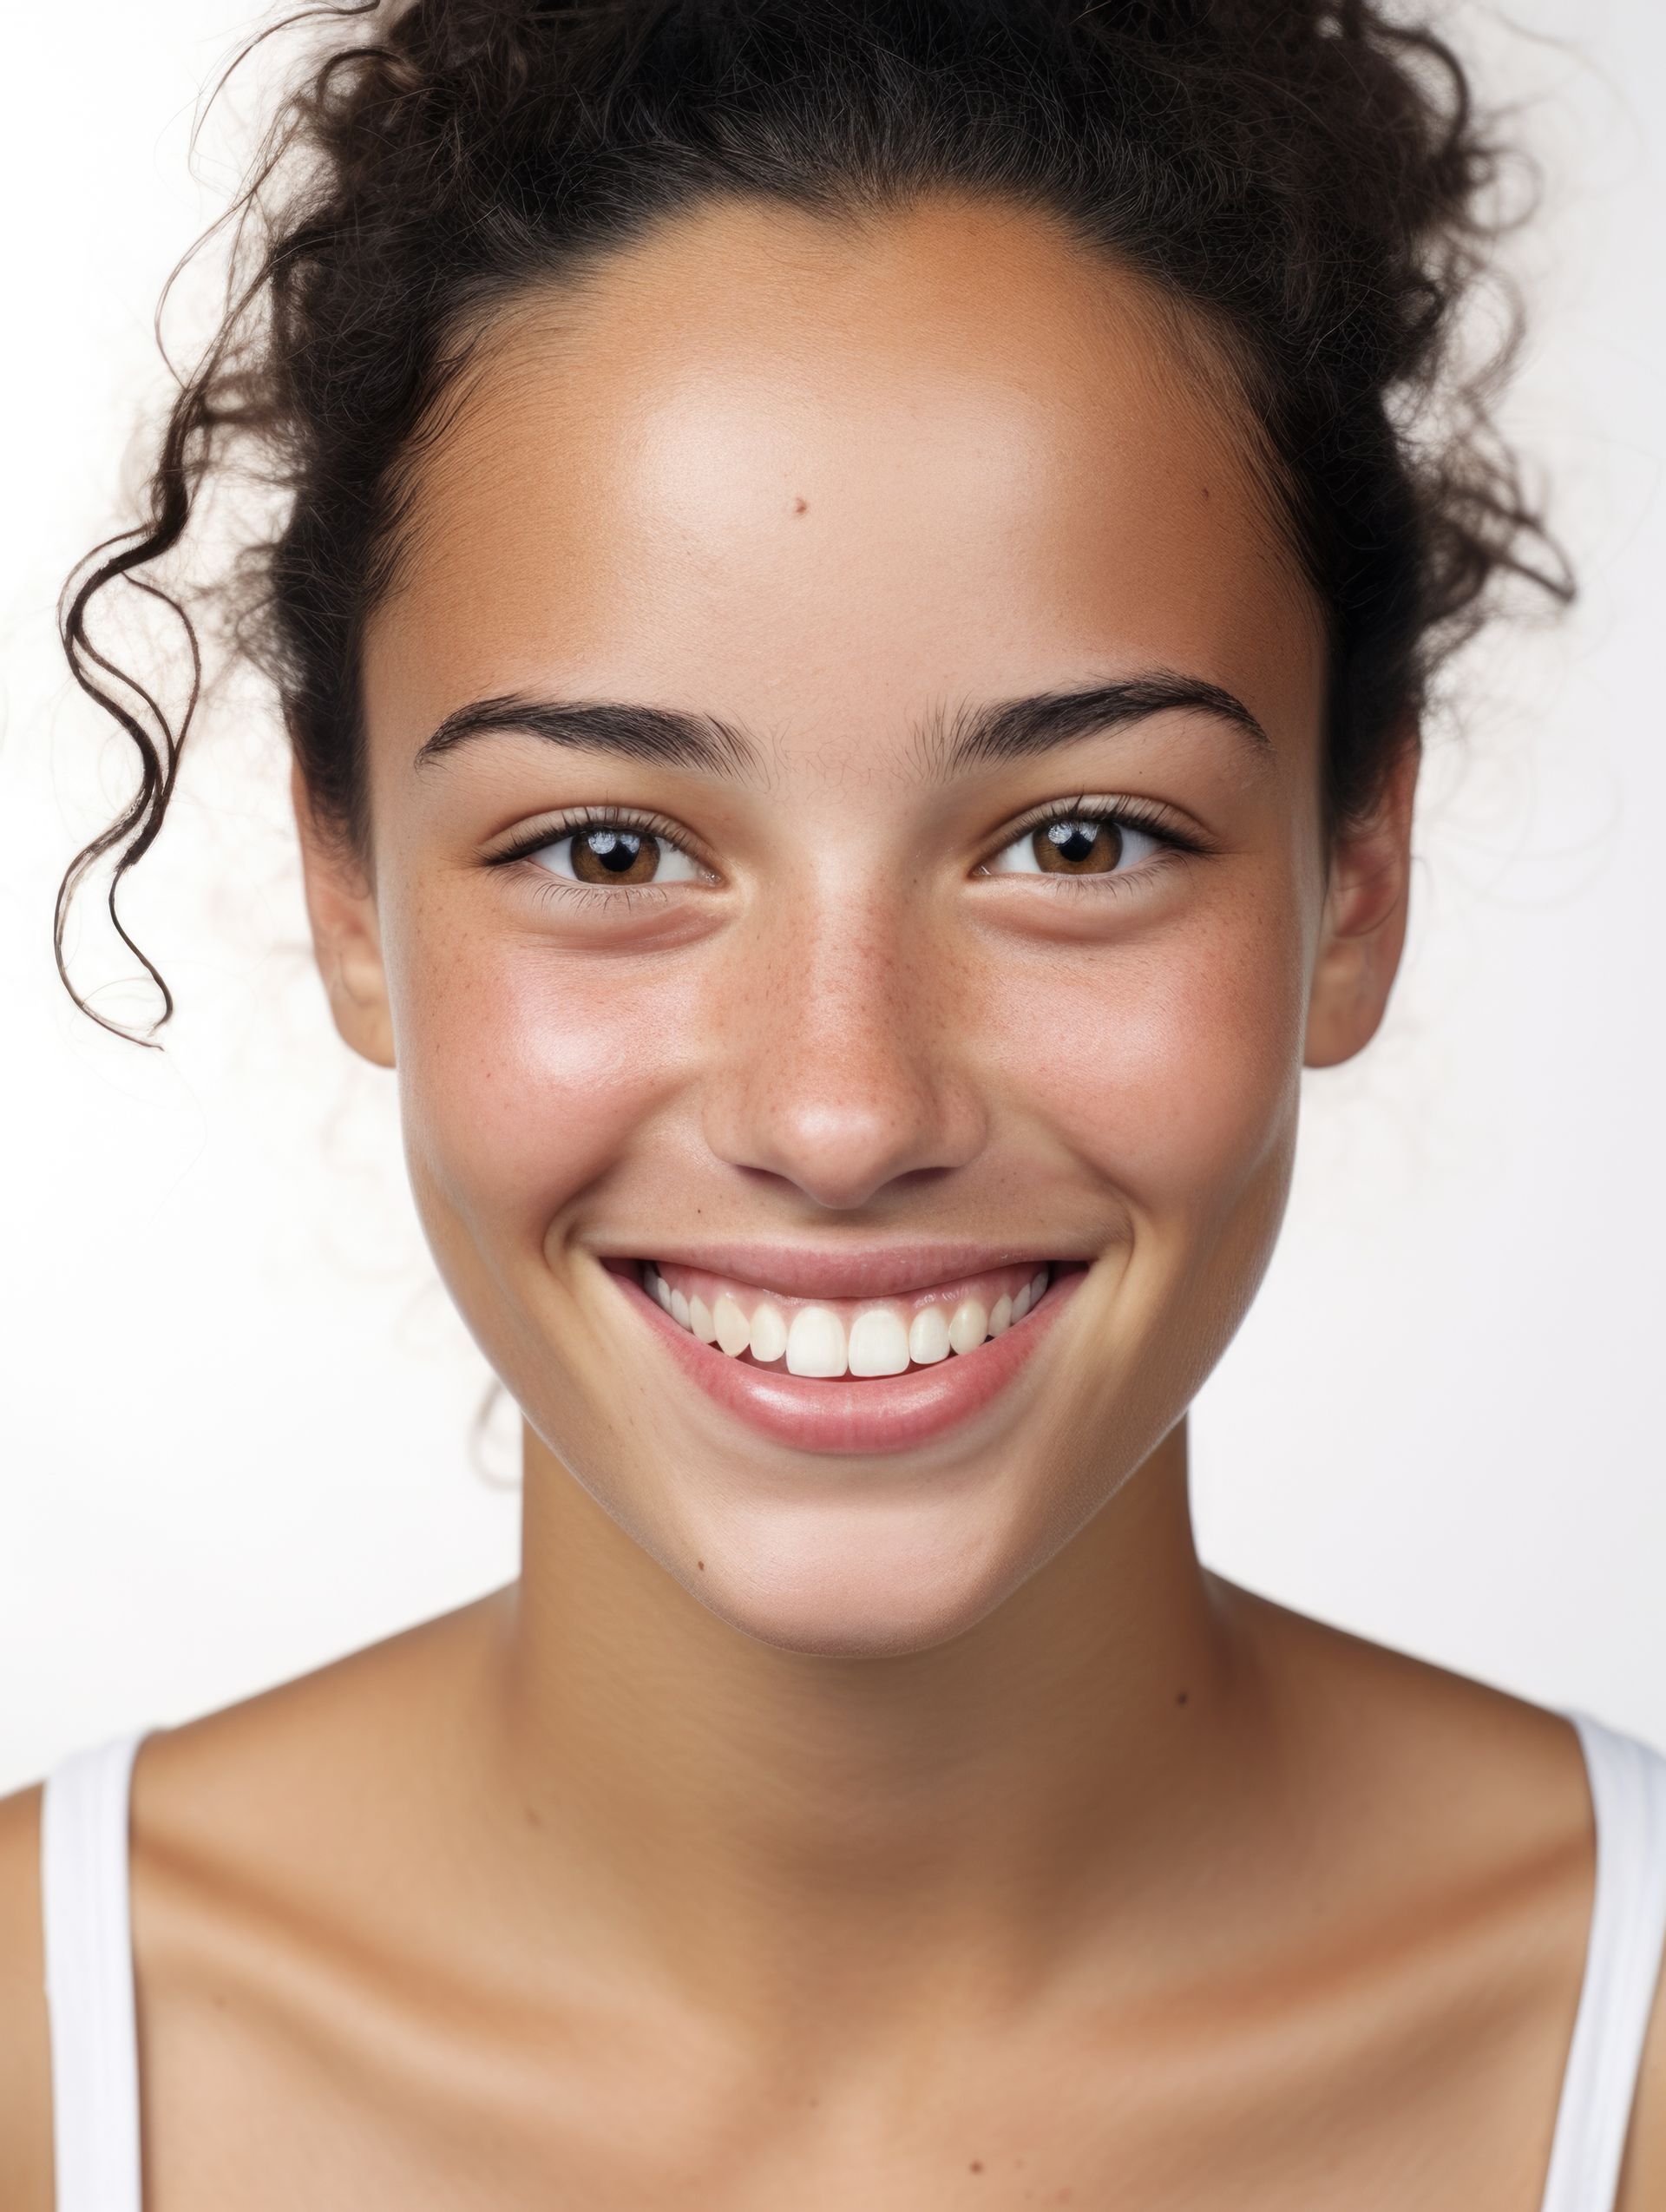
746 1814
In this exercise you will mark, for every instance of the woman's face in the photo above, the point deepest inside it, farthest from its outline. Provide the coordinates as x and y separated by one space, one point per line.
928 908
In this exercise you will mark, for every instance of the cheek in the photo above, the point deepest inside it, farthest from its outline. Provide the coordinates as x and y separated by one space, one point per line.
1169 1067
523 1072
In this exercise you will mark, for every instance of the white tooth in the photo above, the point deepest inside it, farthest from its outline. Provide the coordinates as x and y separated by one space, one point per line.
679 1309
969 1326
879 1343
1000 1319
816 1342
660 1288
733 1330
701 1321
928 1337
1021 1304
1039 1284
768 1331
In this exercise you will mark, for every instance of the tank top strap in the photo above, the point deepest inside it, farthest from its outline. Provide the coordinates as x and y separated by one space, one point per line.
1622 1967
90 1979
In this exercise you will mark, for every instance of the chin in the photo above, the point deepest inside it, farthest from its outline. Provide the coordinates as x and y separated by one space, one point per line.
867 1584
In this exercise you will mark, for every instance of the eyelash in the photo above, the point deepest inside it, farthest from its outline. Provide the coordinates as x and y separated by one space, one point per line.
1145 815
549 886
1156 821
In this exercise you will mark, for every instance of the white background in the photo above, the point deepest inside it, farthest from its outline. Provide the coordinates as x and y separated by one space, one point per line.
235 1410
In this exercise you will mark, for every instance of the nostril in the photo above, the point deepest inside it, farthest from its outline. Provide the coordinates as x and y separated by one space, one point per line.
848 1120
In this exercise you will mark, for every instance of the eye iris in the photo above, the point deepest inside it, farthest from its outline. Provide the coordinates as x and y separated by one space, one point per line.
614 856
1078 847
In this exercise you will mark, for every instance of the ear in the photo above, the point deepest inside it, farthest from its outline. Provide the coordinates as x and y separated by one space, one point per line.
346 939
1363 929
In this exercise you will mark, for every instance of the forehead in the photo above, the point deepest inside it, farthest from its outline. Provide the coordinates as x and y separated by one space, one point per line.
820 478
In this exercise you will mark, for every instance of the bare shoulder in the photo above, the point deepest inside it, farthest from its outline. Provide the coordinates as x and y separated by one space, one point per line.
267 1771
1511 1777
1430 1748
285 1852
303 1806
230 1814
25 2062
1458 1845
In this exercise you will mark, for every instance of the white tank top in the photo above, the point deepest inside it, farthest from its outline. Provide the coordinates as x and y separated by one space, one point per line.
95 2043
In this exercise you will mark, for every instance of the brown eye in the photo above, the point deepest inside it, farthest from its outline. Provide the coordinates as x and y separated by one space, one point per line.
616 853
615 857
1077 844
1079 848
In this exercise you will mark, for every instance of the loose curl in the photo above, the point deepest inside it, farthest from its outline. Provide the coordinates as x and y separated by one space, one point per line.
1308 178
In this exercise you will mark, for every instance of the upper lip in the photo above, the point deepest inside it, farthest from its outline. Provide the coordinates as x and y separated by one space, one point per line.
847 1271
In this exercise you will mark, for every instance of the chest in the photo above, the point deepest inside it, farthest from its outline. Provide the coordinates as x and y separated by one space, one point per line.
1300 2107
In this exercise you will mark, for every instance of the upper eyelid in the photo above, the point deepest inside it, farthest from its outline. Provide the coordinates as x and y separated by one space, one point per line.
1091 803
1153 816
1155 819
570 821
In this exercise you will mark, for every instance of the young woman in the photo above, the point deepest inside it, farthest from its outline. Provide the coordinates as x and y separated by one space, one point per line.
855 588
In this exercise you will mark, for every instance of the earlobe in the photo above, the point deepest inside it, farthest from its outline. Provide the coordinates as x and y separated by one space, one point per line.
347 937
1363 931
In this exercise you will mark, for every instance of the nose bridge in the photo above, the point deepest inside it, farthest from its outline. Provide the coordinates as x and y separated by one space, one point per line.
838 1065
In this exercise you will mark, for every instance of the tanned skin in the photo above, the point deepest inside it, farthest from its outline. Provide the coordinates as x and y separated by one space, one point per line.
919 1832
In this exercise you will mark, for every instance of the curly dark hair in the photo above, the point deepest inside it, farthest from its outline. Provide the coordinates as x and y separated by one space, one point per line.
1308 178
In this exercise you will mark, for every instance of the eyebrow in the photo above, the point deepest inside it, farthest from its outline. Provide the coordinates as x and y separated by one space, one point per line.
665 736
973 737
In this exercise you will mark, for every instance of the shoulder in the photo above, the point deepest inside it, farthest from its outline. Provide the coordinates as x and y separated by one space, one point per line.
285 1854
293 1816
1502 1783
260 1783
227 1818
25 2060
1458 1840
1452 1761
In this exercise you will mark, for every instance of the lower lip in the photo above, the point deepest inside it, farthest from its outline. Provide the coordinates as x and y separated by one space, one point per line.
879 1413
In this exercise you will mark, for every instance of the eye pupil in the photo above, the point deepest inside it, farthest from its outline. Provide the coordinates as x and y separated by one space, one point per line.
600 855
1080 847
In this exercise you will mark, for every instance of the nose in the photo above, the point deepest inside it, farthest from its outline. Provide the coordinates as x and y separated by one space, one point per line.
841 1057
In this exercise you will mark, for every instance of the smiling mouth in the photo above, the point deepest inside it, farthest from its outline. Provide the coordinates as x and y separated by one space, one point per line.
827 1339
874 1350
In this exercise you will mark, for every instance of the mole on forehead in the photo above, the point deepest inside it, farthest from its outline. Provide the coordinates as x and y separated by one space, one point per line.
514 520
